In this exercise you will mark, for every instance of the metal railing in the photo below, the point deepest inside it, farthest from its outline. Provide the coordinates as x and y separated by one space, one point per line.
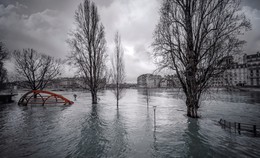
240 127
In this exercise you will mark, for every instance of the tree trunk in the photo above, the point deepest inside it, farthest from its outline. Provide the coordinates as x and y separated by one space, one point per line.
34 95
117 92
192 106
147 96
147 100
94 97
189 111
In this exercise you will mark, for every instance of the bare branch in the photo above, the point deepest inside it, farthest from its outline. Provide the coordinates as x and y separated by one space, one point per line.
88 47
118 69
194 39
35 68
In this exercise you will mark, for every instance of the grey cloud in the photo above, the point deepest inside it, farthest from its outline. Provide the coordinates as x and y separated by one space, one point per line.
255 4
135 20
45 31
105 3
142 52
35 6
252 37
44 25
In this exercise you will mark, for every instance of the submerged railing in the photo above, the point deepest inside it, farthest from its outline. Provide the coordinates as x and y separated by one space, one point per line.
42 97
240 127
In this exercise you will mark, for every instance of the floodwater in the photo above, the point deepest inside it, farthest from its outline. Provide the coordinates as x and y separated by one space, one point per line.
83 130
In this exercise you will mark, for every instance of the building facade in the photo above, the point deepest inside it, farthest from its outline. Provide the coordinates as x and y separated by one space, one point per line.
253 68
242 73
236 75
156 81
169 81
149 81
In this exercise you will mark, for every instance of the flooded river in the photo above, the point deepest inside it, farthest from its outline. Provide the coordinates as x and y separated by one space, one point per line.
83 130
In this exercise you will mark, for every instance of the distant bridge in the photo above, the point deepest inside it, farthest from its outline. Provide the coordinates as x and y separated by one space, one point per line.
43 97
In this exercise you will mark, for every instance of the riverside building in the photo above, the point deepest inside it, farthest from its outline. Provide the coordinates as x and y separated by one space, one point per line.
253 68
149 81
245 72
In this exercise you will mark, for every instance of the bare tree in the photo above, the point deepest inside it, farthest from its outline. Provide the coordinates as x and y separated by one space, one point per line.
194 38
88 47
35 68
118 69
3 72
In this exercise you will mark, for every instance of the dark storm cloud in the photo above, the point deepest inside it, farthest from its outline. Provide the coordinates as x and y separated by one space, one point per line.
45 31
44 25
41 5
252 37
255 4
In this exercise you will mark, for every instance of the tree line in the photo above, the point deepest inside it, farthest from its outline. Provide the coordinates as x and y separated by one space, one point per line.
193 39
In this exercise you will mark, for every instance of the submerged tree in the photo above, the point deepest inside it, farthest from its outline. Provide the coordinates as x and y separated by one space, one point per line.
35 68
194 38
3 71
147 95
118 69
88 47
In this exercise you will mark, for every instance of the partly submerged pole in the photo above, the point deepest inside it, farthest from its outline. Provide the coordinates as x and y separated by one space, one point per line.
154 114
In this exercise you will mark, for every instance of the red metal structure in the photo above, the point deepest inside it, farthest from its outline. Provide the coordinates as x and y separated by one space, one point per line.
43 97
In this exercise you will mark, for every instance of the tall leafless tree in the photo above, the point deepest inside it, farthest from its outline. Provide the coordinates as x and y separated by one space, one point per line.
118 69
194 38
35 68
88 47
3 72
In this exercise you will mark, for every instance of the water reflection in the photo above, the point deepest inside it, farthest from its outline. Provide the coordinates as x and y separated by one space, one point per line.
92 141
151 92
197 145
234 96
83 130
27 130
251 97
119 138
155 144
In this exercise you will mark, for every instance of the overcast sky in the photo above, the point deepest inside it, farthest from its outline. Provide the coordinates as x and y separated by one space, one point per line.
44 26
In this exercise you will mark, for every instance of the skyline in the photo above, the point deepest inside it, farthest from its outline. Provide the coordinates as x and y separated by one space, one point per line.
44 26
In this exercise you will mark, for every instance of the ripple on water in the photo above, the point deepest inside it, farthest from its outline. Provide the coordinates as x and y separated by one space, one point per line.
84 130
